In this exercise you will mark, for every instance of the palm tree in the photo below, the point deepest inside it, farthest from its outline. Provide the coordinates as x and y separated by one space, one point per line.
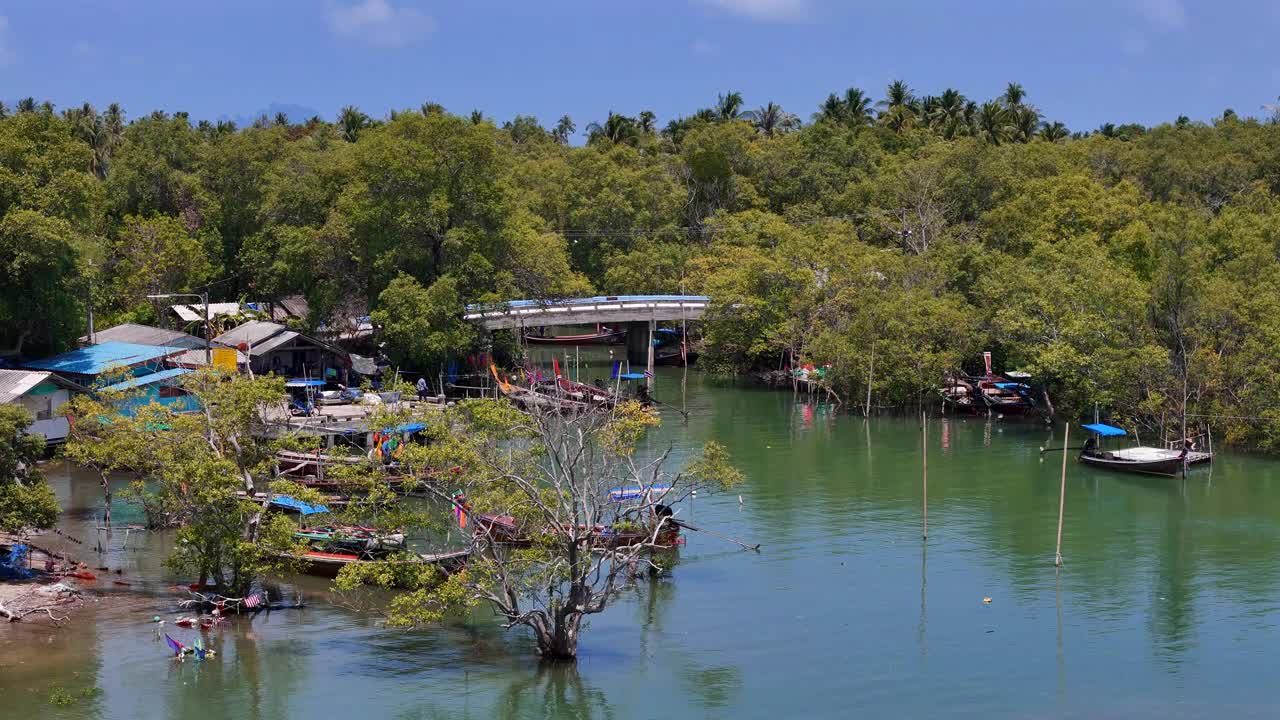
564 128
1025 120
833 109
617 128
280 120
4 110
477 117
857 107
1013 95
1107 130
113 118
729 107
1054 132
772 119
431 108
648 122
27 105
899 110
993 122
350 122
897 95
953 116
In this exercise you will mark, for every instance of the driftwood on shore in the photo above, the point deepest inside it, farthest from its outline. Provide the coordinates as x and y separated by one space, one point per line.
21 600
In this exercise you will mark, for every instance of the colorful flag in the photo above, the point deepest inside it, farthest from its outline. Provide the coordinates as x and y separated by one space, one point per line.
648 373
253 600
174 645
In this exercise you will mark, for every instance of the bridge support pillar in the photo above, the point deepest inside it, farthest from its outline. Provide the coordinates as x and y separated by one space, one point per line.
638 344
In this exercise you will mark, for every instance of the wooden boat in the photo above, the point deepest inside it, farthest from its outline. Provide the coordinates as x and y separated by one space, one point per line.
296 464
505 529
329 564
530 399
602 336
1145 460
367 542
989 392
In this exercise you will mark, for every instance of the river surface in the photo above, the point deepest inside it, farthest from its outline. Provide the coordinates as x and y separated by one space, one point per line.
1167 605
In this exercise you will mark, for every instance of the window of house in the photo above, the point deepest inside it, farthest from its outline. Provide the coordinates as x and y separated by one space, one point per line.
170 391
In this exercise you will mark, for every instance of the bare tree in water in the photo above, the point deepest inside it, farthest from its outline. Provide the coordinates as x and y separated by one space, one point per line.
552 543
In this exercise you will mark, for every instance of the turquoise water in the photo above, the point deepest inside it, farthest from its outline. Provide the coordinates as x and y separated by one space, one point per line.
1166 606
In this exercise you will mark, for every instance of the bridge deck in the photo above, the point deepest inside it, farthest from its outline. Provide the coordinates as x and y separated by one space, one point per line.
587 311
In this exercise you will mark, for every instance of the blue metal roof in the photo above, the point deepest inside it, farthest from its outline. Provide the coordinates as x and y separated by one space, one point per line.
150 379
97 359
596 300
1105 430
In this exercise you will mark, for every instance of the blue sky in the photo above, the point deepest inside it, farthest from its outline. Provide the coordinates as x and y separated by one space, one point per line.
1084 62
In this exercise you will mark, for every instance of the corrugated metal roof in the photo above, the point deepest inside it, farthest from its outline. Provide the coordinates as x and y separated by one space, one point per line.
16 383
145 335
195 358
143 380
96 359
252 332
195 312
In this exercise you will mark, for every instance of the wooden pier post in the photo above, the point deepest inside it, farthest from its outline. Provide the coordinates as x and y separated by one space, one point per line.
924 469
1062 495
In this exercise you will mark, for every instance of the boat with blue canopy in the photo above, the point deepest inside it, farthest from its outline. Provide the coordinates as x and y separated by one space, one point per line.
1145 460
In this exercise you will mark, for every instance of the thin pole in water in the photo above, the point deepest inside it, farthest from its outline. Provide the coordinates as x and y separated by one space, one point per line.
1062 495
924 434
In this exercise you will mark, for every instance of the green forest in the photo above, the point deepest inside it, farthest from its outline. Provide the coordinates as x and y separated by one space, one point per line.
893 239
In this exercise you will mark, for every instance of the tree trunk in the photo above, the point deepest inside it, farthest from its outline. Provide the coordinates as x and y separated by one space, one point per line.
560 643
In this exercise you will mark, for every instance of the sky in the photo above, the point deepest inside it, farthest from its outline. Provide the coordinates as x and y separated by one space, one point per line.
1084 62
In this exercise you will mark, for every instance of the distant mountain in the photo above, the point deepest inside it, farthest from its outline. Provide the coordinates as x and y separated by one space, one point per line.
296 113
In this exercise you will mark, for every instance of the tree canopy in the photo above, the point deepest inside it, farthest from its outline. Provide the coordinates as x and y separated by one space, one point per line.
911 225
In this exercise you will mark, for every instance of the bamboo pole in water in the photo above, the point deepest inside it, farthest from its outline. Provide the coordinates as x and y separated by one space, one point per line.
1062 495
924 469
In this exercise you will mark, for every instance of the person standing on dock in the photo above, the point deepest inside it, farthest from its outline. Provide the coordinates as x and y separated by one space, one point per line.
422 388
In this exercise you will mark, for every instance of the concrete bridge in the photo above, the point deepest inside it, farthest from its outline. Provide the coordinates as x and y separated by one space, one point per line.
641 313
587 311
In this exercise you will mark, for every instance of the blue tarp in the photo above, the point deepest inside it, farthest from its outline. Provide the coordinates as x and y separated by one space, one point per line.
301 383
412 427
149 379
14 567
1010 386
293 503
632 376
1105 430
97 359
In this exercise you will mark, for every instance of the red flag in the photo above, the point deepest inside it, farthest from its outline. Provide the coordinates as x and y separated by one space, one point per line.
253 600
555 365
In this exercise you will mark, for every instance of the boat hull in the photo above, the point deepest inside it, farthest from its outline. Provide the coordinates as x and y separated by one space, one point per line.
1168 467
609 338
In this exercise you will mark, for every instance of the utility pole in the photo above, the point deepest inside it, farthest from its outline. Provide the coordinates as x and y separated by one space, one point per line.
208 319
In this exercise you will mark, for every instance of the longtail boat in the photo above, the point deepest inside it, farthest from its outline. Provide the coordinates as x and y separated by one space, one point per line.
351 538
529 399
1144 460
602 336
506 529
989 392
329 564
